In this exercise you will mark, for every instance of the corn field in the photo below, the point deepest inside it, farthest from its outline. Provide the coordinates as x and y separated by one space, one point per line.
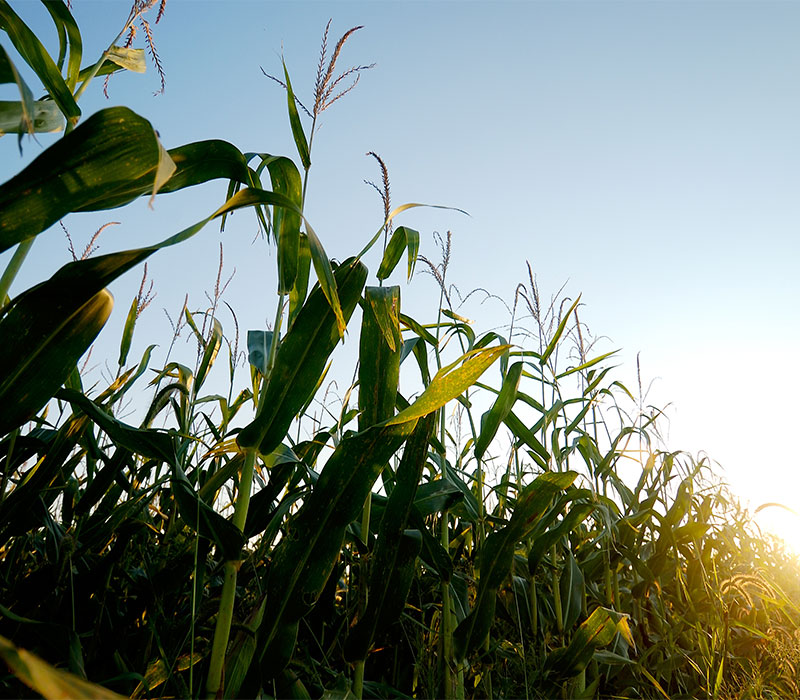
479 515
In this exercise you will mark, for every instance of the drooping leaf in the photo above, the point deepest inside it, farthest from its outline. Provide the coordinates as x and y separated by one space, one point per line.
43 117
128 58
403 238
42 337
596 632
88 165
500 409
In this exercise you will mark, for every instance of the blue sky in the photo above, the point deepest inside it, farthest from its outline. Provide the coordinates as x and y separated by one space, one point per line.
645 153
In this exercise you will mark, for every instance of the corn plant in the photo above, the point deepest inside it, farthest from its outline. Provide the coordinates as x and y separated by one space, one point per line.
511 525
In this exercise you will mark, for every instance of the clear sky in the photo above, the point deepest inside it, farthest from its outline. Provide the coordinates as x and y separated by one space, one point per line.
645 153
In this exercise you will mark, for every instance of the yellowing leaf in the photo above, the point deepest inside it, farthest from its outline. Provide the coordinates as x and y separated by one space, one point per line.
49 681
451 381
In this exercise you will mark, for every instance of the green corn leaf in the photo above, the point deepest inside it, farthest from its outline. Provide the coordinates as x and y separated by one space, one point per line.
294 119
322 266
573 591
499 410
42 337
419 329
396 549
212 346
300 288
35 55
21 510
587 364
403 238
543 542
528 437
202 518
8 72
44 117
382 306
156 444
451 381
387 595
393 214
286 222
84 171
127 333
554 341
379 355
305 557
106 152
436 497
301 359
596 632
68 33
70 306
497 555
21 117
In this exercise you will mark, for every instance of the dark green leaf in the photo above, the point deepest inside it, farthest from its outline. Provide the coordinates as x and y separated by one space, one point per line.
301 359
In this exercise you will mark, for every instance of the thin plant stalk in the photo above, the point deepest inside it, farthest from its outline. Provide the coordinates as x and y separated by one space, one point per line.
230 570
13 267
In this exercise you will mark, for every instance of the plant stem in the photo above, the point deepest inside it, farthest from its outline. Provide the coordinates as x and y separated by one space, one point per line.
447 628
13 267
231 568
358 679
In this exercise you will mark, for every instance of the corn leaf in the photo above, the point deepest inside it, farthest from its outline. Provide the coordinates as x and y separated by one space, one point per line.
68 33
130 59
31 49
396 549
294 119
451 381
47 680
42 337
301 359
596 632
403 238
499 410
305 557
379 355
497 554
286 222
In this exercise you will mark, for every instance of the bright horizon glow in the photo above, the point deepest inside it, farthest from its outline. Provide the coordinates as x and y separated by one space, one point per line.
645 152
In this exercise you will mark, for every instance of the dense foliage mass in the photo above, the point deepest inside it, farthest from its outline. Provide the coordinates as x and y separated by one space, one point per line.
505 525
